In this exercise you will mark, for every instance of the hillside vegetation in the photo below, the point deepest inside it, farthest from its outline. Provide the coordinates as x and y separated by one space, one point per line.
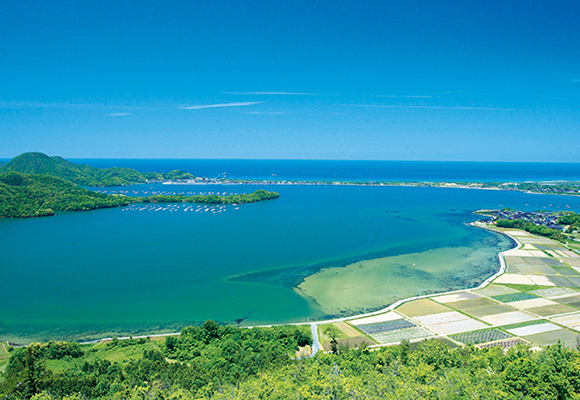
28 195
216 362
39 163
25 195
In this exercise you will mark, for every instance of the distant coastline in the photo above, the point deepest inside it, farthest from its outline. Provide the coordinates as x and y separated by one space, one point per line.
571 188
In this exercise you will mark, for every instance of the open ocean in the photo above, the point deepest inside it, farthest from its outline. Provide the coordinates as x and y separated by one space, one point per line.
139 270
410 171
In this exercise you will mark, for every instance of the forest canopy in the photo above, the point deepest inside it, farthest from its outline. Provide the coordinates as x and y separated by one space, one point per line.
221 362
85 175
28 195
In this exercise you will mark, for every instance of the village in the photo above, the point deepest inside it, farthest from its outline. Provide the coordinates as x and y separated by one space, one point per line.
545 218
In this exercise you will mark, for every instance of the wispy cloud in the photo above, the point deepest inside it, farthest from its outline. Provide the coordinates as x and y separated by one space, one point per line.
265 112
431 107
272 93
401 96
120 114
221 105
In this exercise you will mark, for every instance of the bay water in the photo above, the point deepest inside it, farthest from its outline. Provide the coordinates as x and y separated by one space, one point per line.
141 270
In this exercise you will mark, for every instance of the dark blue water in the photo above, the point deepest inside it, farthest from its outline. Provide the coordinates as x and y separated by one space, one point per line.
411 171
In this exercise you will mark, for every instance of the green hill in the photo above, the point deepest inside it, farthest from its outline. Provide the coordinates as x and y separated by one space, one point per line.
39 163
26 195
37 195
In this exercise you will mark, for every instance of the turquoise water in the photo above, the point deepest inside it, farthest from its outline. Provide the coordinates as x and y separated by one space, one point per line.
87 274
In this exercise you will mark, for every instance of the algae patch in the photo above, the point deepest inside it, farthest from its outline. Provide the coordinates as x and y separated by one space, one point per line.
366 285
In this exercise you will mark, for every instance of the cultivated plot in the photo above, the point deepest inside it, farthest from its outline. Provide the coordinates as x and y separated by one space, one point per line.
517 296
565 336
554 292
480 336
507 318
455 297
421 307
480 307
496 290
376 318
534 329
504 344
402 334
378 327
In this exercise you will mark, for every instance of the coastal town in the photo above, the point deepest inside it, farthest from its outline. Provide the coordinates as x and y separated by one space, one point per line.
545 218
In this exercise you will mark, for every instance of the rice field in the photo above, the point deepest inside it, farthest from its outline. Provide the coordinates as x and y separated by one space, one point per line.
495 290
481 336
504 344
455 297
507 318
566 271
534 329
376 318
573 300
402 334
421 307
565 336
480 307
507 312
467 324
371 329
553 292
524 324
507 298
532 303
553 310
561 281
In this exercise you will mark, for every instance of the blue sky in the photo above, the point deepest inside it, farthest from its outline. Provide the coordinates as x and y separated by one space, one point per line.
381 80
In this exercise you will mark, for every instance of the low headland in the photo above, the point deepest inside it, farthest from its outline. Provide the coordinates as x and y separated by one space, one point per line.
36 195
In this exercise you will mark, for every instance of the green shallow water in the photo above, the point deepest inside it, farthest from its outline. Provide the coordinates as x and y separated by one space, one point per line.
106 272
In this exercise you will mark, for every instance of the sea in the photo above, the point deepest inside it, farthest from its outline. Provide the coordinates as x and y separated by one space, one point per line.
141 270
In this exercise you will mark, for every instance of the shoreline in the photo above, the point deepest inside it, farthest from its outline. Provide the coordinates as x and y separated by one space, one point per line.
391 307
558 187
382 310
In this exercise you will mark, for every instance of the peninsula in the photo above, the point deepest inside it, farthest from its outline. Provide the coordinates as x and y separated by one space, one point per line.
37 195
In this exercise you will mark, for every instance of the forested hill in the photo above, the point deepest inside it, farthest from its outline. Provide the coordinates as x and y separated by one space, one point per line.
39 163
26 195
32 195
218 363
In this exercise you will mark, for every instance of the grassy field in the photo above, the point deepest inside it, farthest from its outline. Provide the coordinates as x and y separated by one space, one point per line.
344 333
105 351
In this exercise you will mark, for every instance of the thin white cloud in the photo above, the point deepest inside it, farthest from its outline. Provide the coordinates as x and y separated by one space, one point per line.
272 93
265 112
120 114
431 107
397 96
221 105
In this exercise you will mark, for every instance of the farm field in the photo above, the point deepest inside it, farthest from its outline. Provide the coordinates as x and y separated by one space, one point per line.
536 301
